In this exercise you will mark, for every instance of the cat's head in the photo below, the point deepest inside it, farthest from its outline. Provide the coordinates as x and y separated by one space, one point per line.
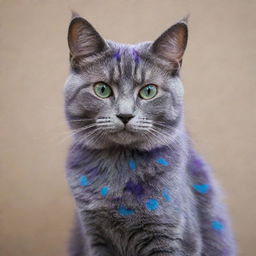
126 95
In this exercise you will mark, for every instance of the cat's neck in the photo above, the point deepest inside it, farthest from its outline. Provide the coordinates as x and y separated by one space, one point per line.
123 169
126 159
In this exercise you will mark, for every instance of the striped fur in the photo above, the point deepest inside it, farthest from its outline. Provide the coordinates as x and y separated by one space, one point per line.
140 188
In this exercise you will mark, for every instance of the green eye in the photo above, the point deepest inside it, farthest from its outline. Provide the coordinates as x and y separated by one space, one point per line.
102 90
148 92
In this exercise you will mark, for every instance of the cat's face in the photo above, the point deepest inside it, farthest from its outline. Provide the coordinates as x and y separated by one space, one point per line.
124 95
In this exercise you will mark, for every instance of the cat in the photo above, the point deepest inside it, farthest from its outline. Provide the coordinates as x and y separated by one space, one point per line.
140 187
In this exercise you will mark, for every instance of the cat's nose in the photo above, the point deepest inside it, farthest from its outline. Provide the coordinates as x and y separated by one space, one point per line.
125 118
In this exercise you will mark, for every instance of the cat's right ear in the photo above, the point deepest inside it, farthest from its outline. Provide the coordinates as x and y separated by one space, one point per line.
83 39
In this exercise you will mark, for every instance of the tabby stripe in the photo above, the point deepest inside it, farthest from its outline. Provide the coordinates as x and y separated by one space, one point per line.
159 237
158 251
98 244
143 244
146 228
76 92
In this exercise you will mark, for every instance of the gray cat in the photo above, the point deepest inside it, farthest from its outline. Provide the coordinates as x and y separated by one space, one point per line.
140 187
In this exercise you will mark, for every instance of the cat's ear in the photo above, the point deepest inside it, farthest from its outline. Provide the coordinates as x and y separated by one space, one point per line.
172 43
83 39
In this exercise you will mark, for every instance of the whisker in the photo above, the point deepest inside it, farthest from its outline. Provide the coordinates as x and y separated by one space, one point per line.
144 126
81 120
76 131
104 117
103 121
163 135
145 121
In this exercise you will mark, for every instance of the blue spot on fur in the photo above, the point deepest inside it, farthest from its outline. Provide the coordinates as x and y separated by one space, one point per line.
201 188
217 225
166 195
83 181
162 161
132 165
125 212
152 204
104 191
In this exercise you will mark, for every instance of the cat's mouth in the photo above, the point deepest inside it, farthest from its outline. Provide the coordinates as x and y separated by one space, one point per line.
127 129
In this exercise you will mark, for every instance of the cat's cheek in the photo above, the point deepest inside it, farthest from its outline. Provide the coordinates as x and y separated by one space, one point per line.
74 110
87 106
90 102
159 106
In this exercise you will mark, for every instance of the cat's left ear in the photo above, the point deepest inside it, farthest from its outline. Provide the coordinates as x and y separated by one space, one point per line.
171 45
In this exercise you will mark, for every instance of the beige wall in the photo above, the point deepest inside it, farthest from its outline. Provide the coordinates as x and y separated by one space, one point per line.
219 74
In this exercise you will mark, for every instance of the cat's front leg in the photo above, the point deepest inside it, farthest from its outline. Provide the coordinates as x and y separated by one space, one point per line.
96 232
99 246
159 238
158 246
114 235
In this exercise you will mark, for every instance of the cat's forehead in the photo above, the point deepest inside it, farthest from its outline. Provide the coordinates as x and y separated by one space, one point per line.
125 52
124 66
132 62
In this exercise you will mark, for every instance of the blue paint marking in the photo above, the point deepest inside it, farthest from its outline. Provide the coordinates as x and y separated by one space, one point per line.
84 181
217 225
201 188
125 212
117 55
166 195
132 165
135 188
162 161
152 204
136 56
104 191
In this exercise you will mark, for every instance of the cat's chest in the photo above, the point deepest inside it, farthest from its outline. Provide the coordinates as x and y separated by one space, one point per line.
126 187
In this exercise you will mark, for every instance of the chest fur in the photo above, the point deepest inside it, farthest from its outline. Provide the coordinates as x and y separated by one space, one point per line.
126 183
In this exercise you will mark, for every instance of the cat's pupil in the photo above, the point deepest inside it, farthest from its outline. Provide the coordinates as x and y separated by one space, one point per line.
102 89
148 91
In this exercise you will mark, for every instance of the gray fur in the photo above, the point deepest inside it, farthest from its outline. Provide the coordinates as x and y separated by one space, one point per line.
190 223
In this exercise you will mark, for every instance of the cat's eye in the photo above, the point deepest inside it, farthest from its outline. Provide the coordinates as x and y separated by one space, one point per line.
102 90
148 92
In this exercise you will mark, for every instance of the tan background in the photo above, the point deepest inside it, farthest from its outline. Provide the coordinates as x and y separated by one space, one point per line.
219 74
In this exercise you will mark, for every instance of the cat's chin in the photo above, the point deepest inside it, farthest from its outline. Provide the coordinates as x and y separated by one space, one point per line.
124 137
130 140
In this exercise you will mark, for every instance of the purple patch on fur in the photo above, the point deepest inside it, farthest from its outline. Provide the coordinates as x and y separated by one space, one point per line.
136 56
117 55
134 188
197 163
94 172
